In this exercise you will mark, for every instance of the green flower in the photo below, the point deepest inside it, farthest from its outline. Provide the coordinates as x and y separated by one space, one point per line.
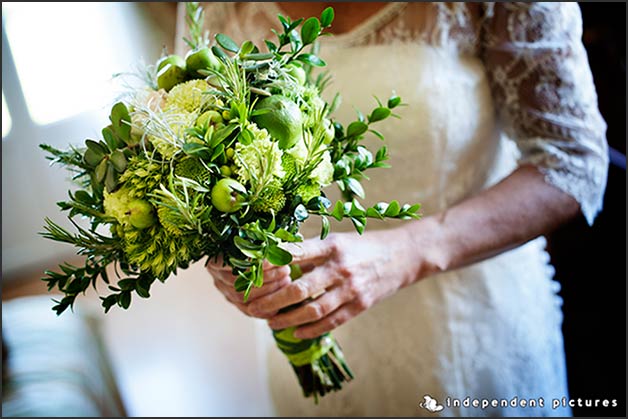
189 96
270 199
255 162
142 176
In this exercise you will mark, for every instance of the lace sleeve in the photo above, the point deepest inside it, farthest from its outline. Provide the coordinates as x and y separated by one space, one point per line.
542 84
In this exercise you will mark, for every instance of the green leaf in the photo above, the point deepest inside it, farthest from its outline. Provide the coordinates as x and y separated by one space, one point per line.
271 46
356 209
286 236
218 151
335 103
127 284
310 30
92 158
354 186
241 283
393 209
220 53
278 256
379 113
327 17
359 223
373 213
196 149
246 137
259 56
324 227
339 211
356 128
239 263
394 101
111 179
311 59
246 48
84 197
96 147
121 121
295 41
118 160
300 213
227 43
101 171
124 299
111 139
222 134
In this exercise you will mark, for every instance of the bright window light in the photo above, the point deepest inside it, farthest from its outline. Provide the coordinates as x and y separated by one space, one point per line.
6 118
66 54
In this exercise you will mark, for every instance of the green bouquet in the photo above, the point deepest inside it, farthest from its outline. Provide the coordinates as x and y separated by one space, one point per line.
222 153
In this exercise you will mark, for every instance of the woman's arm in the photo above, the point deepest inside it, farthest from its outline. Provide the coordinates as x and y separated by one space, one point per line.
357 272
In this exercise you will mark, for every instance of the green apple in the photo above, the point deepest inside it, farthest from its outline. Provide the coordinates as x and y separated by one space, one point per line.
284 120
201 59
208 118
297 72
170 59
170 72
228 195
141 214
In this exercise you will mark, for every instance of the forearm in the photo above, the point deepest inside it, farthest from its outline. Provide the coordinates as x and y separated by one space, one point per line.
519 208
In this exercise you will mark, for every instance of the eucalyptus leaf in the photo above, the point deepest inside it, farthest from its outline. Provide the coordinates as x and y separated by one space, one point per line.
121 121
111 179
92 158
101 171
300 213
118 160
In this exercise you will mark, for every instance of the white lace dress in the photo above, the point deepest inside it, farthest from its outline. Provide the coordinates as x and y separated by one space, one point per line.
488 87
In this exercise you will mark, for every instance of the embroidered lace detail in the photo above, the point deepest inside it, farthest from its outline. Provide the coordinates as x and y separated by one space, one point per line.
542 83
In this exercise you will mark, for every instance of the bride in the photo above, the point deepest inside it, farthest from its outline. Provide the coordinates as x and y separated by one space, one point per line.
501 142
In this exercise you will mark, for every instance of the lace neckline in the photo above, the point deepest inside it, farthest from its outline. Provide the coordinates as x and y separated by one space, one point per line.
355 35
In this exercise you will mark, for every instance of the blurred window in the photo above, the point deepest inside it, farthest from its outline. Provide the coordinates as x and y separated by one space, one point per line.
65 55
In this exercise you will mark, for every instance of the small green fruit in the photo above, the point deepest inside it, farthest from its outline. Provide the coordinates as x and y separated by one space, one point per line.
208 118
284 122
171 71
297 72
228 195
201 59
170 59
141 214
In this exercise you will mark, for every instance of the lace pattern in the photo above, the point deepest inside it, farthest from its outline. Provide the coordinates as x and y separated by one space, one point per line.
542 83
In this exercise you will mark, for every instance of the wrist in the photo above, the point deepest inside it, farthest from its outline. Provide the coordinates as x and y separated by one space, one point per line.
428 244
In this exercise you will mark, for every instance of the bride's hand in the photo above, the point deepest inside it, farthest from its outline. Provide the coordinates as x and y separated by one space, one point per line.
350 272
275 277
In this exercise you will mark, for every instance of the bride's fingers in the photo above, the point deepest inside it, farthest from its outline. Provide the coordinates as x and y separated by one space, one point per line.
313 311
310 251
278 273
309 285
329 323
238 297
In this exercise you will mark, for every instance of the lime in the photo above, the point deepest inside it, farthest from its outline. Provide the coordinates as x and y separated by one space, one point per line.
201 59
284 120
228 195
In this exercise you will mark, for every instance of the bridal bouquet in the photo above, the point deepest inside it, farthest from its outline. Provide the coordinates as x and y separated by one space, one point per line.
222 153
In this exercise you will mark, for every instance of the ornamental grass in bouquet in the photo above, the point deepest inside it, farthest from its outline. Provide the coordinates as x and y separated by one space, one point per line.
223 153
